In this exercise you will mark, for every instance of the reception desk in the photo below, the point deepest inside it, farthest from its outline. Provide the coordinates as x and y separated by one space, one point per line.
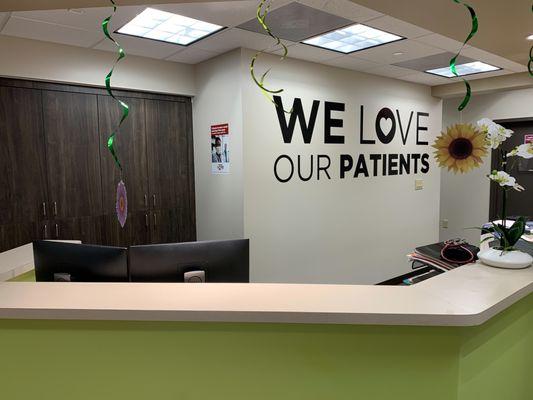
466 334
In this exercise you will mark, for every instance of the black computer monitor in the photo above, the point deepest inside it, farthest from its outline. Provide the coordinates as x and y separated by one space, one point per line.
212 261
64 262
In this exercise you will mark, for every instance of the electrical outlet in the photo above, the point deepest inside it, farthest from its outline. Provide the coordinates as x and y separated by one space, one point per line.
419 184
444 223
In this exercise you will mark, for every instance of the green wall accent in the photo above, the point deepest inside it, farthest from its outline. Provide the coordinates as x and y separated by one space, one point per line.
25 277
496 359
192 361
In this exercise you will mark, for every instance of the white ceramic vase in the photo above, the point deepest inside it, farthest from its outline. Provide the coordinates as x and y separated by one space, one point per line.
509 259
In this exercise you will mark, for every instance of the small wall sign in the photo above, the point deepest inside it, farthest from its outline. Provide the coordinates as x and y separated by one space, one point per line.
220 157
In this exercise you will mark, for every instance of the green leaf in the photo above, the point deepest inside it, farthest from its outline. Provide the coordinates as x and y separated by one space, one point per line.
504 242
516 231
487 238
483 230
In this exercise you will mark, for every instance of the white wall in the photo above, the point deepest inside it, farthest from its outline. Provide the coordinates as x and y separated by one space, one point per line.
219 198
32 59
333 231
465 197
342 231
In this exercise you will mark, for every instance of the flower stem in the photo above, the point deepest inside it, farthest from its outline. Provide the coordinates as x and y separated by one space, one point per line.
504 197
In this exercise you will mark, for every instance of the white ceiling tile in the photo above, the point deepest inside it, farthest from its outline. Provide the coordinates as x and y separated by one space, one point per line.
225 13
4 17
351 62
350 10
230 39
48 32
424 78
192 56
309 53
398 27
390 71
442 42
140 47
385 54
89 19
318 4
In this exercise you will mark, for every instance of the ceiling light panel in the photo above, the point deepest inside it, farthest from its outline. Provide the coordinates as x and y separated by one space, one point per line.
475 67
353 38
168 27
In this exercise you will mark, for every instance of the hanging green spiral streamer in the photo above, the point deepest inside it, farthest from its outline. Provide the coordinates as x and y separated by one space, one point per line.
475 26
530 62
262 12
124 107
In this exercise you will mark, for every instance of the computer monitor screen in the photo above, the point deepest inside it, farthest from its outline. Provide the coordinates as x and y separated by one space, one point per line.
212 261
57 261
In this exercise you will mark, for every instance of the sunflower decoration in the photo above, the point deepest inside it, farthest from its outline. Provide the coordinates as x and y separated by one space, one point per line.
461 148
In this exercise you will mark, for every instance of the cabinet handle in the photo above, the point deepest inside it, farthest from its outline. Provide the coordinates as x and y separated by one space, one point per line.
55 208
44 209
153 200
45 231
146 220
155 220
57 231
145 200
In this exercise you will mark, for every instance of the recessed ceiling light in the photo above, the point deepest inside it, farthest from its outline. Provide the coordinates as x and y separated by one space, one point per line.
530 37
75 11
398 53
168 27
352 38
475 67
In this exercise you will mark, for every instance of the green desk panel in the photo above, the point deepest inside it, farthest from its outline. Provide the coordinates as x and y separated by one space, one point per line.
191 361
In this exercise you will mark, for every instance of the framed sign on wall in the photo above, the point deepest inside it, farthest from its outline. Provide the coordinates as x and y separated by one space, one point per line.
220 161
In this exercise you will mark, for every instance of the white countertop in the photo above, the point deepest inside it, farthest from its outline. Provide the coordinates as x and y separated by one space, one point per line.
466 296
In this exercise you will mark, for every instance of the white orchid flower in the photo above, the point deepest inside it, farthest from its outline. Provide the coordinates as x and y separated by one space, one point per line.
524 151
504 179
496 134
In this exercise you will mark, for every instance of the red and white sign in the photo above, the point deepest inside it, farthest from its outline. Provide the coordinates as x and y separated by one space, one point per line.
528 139
220 149
220 129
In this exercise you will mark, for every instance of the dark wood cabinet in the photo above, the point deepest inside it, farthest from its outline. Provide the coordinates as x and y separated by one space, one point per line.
73 154
164 226
86 229
15 235
130 145
59 179
23 186
168 155
135 232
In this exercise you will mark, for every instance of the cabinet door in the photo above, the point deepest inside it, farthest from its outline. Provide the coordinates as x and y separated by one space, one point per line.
188 227
168 155
73 154
187 230
130 145
22 156
16 235
164 226
135 232
86 229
